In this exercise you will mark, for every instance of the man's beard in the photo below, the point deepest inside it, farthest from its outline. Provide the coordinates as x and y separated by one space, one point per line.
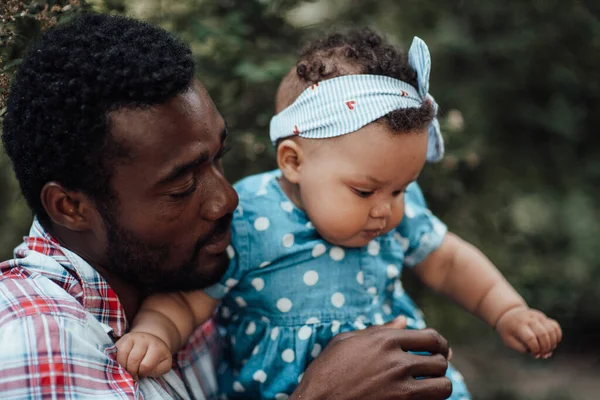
145 264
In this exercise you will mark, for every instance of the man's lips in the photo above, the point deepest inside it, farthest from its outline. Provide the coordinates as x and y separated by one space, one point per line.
218 242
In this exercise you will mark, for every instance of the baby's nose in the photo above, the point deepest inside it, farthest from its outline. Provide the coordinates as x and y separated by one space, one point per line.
381 211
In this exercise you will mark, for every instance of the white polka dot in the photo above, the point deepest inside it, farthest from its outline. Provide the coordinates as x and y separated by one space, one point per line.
373 248
231 282
281 396
300 377
309 225
386 309
255 351
286 206
372 290
262 223
230 252
237 387
336 253
260 376
225 312
392 271
288 240
319 250
410 322
421 324
337 299
378 318
284 304
398 288
304 332
358 324
419 313
313 320
438 227
335 326
288 355
316 350
264 264
360 277
241 302
311 277
265 319
261 192
258 283
409 211
251 328
404 242
274 333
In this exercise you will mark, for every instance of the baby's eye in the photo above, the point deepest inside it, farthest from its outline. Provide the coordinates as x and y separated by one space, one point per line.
398 192
362 193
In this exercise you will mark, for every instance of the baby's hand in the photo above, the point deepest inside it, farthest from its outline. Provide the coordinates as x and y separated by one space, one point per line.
528 330
143 354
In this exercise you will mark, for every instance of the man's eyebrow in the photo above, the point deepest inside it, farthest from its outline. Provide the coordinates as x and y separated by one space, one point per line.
180 170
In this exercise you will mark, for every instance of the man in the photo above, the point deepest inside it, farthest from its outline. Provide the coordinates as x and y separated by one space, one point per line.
117 148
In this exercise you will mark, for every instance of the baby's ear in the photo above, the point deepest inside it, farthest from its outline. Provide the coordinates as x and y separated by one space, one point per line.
289 159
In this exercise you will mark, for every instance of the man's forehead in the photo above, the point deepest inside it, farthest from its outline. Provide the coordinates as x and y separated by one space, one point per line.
190 116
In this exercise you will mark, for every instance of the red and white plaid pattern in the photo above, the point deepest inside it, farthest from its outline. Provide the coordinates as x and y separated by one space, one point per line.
58 321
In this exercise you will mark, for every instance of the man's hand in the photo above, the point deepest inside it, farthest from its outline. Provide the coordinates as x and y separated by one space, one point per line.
143 355
528 330
374 364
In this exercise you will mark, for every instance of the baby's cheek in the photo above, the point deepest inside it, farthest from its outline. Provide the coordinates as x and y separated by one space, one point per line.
337 221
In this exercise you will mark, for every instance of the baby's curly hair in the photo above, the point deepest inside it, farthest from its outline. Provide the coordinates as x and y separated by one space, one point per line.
354 52
56 126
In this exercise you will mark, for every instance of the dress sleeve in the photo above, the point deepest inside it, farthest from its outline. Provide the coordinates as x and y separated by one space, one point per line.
420 231
238 253
46 356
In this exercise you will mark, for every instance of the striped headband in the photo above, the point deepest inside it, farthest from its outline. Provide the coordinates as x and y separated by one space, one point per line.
345 104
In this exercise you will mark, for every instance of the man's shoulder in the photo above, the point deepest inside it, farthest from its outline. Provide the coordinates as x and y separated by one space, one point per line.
27 294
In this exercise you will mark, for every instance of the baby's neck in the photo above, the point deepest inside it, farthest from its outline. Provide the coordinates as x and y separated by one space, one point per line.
291 190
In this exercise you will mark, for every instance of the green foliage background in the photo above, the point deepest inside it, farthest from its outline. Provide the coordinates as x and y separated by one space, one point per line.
519 88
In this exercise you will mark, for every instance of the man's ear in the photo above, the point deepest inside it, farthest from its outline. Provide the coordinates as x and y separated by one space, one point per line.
68 208
289 159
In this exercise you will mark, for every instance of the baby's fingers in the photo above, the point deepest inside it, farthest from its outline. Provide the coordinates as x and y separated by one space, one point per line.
528 338
543 337
156 362
136 355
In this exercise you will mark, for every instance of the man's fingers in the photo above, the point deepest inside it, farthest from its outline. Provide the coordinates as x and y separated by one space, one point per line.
427 340
428 366
433 388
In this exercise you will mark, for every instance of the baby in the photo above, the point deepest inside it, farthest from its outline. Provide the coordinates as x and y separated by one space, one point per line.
320 243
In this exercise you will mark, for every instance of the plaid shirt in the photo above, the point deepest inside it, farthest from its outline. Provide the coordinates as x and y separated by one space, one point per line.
58 323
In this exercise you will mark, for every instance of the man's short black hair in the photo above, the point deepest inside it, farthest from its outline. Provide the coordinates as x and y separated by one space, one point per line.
56 126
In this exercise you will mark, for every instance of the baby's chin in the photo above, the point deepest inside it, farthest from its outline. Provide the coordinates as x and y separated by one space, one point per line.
358 240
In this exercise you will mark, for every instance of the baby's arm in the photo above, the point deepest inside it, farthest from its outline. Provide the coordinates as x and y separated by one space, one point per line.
162 326
460 271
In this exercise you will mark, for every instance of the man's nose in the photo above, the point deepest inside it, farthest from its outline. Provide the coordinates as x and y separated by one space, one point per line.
223 199
381 211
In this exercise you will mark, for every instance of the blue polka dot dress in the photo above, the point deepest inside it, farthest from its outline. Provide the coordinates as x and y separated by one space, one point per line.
287 292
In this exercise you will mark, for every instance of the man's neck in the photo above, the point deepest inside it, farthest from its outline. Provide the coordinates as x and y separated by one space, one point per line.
129 295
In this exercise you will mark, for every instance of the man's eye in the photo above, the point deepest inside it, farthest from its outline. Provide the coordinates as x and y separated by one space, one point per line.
185 193
362 193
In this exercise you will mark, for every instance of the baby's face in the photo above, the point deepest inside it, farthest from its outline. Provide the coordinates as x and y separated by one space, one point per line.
352 187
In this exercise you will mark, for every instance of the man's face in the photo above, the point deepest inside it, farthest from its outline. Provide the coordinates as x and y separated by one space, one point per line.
169 228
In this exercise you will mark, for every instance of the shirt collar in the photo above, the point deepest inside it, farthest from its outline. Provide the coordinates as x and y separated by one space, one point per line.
77 277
